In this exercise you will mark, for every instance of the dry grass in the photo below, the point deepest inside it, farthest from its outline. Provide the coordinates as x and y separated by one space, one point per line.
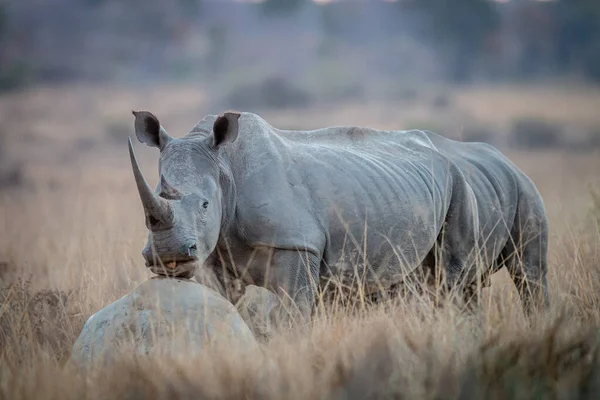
70 243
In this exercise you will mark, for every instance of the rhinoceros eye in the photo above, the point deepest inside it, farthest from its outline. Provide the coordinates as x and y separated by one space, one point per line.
205 204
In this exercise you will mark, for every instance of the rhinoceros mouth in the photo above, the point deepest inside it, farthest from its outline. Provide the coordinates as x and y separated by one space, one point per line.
179 269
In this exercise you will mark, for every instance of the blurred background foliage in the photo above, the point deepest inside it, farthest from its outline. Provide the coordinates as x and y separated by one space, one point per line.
521 73
456 41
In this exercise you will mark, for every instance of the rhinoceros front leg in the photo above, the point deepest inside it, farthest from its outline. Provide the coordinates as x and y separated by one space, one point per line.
293 275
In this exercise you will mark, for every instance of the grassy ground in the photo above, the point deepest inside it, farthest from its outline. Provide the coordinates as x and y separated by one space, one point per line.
71 236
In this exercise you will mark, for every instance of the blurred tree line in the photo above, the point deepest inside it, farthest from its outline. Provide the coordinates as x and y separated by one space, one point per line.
471 39
534 38
559 37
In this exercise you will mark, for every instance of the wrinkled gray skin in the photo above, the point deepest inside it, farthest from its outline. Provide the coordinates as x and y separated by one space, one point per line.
286 209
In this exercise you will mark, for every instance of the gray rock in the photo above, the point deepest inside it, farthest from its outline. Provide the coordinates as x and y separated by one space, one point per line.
162 315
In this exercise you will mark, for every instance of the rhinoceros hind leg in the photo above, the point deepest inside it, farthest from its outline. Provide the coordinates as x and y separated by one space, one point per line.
525 258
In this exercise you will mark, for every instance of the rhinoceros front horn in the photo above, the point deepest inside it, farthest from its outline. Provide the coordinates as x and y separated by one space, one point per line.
154 206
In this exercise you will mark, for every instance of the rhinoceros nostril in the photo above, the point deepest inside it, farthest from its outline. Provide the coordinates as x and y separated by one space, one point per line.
192 249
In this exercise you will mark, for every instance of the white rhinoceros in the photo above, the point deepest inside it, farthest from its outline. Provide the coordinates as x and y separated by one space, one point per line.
288 210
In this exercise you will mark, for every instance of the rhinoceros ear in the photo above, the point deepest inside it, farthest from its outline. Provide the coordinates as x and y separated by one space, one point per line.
225 128
149 131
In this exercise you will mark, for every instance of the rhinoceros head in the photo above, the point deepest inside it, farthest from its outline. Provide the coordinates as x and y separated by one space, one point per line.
184 212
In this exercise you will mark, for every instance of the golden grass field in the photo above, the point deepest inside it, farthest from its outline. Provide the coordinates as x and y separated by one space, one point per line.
71 236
